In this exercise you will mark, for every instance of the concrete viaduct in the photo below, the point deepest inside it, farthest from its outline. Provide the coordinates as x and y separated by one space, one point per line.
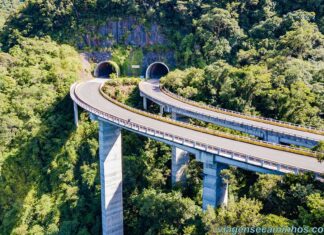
216 153
269 131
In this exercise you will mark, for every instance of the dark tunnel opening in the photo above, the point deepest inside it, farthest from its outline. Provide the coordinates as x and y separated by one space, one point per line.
158 70
104 70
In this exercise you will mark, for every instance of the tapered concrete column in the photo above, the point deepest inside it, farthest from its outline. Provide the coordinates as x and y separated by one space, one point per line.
76 114
174 116
93 117
161 109
144 103
110 154
214 189
180 161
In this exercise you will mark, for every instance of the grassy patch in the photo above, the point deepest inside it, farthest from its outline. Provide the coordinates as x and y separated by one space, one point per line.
123 89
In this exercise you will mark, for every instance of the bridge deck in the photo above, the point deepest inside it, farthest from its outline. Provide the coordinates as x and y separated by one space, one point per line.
88 92
151 88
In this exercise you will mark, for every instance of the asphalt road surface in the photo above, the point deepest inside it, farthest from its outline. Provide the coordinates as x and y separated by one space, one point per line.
151 88
88 92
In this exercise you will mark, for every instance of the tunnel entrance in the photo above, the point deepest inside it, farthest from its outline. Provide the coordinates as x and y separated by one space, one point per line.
106 69
157 70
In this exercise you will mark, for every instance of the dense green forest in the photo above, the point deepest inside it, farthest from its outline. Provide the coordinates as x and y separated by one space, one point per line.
6 7
264 57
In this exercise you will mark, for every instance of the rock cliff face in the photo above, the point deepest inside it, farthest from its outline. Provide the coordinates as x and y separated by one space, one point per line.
126 32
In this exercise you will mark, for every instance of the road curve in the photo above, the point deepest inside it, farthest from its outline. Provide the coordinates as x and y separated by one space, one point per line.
88 93
151 89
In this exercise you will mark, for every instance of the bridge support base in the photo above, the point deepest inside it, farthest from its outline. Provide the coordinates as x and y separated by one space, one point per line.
215 191
110 155
76 114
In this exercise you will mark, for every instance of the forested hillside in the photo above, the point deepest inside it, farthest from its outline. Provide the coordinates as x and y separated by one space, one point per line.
6 7
237 39
264 57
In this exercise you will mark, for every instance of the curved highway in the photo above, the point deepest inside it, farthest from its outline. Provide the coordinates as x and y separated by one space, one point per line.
151 90
87 95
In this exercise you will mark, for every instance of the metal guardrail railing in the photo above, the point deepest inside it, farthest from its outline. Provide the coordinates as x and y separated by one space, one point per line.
314 154
306 152
246 116
230 121
284 168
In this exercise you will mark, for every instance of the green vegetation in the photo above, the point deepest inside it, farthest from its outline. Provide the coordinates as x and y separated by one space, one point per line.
258 57
6 7
126 57
249 88
320 148
123 89
48 170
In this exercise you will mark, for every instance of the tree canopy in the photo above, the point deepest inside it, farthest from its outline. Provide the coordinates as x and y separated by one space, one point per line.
261 57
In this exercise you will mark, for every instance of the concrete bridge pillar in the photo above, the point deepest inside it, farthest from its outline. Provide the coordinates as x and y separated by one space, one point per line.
174 116
161 110
76 114
144 103
179 117
215 191
110 156
180 161
92 117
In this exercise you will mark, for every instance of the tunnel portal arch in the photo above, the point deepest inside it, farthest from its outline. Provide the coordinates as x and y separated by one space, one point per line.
105 68
157 70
